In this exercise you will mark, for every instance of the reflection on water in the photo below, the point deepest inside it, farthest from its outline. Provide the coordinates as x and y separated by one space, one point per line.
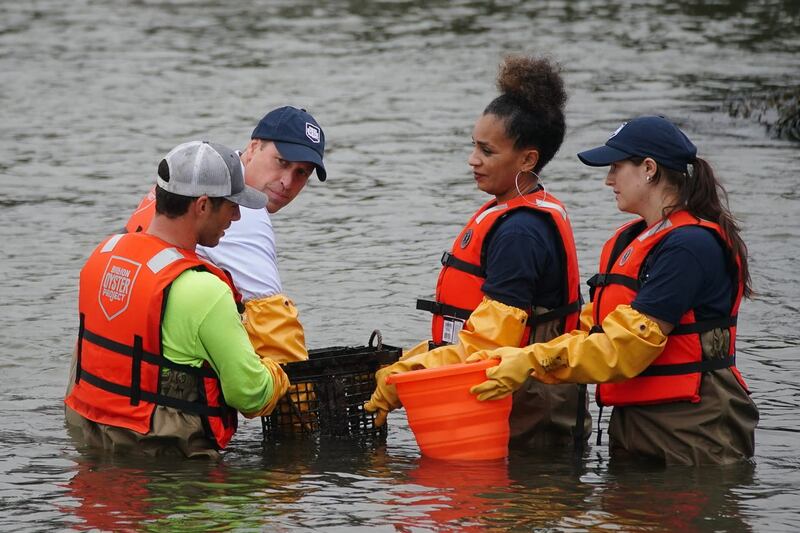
407 495
95 92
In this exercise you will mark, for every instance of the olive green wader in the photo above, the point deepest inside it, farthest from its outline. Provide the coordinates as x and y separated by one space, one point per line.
172 433
546 415
720 429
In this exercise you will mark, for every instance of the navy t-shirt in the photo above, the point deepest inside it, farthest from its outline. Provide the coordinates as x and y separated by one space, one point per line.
687 269
524 261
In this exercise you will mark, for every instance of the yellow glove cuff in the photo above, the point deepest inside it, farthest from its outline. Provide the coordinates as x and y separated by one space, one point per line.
280 384
274 329
586 320
630 341
491 325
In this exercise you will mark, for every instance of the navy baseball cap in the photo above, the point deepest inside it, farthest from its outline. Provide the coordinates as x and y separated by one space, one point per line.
646 136
296 135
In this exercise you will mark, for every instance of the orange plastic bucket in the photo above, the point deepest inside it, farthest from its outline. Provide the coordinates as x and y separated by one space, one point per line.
449 422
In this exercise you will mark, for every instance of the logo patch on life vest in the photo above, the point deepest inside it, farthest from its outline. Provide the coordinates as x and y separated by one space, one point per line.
466 238
625 256
312 132
117 285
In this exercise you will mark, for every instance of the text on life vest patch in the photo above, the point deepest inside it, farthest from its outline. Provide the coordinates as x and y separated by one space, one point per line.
450 329
116 286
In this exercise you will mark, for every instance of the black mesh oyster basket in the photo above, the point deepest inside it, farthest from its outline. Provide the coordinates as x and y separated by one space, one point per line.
328 392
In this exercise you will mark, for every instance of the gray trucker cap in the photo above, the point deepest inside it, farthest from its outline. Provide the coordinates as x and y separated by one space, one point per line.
198 168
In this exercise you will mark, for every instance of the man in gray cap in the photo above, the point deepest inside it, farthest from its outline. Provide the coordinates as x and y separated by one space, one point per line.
286 147
160 336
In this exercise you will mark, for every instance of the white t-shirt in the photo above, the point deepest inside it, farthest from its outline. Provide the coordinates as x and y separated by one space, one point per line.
247 251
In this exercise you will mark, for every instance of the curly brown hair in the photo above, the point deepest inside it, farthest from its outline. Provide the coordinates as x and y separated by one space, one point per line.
532 104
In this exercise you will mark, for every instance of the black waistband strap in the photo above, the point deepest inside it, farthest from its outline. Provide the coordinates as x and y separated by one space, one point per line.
701 326
136 370
600 280
147 357
706 365
554 314
158 399
438 308
443 309
449 260
79 348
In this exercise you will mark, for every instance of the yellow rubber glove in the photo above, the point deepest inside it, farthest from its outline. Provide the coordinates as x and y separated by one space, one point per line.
629 343
280 384
274 329
491 325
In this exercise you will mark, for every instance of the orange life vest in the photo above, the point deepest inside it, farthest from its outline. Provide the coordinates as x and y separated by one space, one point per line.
141 218
675 375
121 302
458 290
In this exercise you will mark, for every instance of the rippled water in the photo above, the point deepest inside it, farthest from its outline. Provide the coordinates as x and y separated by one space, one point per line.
94 93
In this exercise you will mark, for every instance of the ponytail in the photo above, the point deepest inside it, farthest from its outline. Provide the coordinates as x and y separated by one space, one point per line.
702 195
706 198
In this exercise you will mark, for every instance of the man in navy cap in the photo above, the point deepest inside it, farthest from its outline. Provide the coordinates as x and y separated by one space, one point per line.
285 149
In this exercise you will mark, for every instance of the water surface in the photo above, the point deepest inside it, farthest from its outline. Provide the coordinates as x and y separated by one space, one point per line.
94 93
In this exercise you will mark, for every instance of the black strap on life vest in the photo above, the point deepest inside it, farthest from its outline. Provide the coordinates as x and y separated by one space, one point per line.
147 357
701 326
81 331
554 314
449 260
438 308
136 370
158 399
623 240
601 280
134 392
706 365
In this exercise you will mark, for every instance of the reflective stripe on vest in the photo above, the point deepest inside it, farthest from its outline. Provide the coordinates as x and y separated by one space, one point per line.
675 374
121 303
458 290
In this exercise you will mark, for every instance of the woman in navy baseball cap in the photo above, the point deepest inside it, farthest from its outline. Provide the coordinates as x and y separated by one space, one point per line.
661 330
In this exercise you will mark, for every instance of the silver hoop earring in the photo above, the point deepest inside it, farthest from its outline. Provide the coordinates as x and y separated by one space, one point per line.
516 184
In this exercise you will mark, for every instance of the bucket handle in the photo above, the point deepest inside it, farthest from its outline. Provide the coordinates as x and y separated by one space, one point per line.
376 333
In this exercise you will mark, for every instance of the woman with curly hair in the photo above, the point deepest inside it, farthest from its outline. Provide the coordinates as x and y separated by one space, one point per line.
511 276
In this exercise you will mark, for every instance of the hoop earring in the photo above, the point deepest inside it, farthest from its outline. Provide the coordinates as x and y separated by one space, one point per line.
516 185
